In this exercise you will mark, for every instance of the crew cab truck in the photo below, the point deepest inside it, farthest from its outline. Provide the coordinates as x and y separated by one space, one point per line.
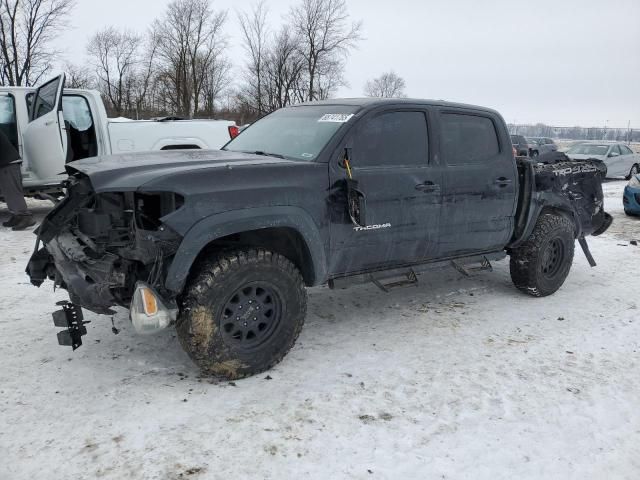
222 244
52 126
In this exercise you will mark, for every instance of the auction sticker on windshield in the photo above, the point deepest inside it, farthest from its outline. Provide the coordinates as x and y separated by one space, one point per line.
336 118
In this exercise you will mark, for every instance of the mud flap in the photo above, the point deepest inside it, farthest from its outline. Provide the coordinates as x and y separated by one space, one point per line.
587 252
71 318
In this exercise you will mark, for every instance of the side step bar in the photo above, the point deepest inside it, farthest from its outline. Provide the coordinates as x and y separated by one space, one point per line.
407 276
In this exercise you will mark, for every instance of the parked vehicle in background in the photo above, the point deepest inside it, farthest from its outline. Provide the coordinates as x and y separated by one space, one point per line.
337 193
521 145
631 197
52 126
620 160
540 145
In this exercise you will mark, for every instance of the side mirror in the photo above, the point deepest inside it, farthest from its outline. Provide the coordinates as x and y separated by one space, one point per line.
357 204
614 154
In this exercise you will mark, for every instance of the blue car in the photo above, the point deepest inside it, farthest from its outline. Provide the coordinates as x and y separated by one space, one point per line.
631 197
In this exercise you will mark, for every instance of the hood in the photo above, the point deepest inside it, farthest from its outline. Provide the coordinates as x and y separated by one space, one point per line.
574 156
131 171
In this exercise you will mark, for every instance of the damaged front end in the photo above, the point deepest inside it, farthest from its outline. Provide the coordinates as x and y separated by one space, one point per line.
108 248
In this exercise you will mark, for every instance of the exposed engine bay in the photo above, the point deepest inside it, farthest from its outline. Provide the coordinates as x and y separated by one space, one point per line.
99 245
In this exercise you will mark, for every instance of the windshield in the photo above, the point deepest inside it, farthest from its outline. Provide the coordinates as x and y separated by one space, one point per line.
296 133
585 149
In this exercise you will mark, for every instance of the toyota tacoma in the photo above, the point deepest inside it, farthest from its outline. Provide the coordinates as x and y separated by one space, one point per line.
222 244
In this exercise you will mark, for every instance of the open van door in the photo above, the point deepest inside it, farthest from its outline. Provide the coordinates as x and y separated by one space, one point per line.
45 138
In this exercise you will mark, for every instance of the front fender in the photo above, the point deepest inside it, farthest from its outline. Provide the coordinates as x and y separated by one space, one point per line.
237 221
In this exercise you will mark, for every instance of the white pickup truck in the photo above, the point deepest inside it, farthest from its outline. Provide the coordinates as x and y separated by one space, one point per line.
51 126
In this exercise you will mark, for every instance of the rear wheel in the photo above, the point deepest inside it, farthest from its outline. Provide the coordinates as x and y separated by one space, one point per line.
242 313
534 153
540 266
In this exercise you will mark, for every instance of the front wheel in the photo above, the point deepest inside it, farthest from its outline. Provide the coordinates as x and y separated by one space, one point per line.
541 265
635 170
242 313
534 154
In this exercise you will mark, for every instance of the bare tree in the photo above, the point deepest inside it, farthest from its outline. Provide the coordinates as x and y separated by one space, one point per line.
388 85
216 82
284 71
116 56
190 43
78 77
326 37
27 28
142 80
254 33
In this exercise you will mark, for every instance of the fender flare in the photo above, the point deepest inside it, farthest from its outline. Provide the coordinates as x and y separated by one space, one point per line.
548 202
237 221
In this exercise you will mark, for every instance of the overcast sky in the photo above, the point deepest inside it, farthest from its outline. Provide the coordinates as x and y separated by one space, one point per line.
561 62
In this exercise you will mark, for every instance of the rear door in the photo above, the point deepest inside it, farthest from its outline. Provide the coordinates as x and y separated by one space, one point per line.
480 182
390 159
45 138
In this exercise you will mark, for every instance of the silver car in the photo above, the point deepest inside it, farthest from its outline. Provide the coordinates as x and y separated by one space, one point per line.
620 160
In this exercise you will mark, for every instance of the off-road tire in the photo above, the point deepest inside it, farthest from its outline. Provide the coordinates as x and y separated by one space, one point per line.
532 265
205 327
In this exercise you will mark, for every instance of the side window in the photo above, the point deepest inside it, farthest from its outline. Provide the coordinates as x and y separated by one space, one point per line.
626 150
77 112
45 99
468 139
29 99
8 125
616 150
393 139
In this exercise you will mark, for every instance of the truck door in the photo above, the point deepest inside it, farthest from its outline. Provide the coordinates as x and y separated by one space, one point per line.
45 138
389 158
480 182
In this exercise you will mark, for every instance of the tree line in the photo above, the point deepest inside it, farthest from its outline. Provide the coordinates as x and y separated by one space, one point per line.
577 133
180 66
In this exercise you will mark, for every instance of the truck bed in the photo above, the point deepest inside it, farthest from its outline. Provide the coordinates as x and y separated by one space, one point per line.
146 135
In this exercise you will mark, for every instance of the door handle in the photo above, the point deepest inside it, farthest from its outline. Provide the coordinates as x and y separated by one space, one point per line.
503 182
49 123
428 187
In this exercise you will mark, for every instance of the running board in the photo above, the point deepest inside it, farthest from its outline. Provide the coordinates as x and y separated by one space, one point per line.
411 279
408 276
485 266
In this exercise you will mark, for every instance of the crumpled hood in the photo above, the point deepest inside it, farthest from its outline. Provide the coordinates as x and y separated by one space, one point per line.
128 172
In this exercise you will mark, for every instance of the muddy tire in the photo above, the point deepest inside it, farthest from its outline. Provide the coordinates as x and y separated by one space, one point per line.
540 266
242 312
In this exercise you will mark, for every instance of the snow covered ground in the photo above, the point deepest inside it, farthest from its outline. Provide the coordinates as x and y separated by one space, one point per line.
456 379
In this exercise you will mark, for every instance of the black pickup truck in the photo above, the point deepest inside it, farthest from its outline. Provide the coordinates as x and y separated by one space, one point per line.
222 244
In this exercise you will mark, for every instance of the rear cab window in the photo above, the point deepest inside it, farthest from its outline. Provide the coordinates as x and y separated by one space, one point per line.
468 139
398 139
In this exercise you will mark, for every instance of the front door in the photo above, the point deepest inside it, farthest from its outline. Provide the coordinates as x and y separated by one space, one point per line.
45 138
389 156
480 183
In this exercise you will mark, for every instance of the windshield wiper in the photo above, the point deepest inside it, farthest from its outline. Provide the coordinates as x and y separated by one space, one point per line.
266 154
